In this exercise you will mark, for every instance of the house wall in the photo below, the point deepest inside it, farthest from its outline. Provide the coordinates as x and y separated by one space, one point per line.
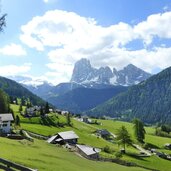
71 141
6 127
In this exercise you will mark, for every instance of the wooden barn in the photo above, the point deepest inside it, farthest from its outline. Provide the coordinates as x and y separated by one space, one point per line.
88 151
68 137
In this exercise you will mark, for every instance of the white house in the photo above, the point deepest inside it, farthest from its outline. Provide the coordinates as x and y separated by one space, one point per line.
5 122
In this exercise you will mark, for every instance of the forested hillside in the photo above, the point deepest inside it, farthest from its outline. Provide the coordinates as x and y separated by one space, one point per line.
16 90
149 101
82 99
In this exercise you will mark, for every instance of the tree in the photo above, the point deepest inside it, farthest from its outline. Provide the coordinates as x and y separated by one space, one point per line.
123 137
139 130
22 101
42 114
4 102
17 121
166 128
68 119
20 108
2 22
47 107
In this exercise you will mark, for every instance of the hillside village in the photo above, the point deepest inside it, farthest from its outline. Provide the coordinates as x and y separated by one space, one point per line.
98 143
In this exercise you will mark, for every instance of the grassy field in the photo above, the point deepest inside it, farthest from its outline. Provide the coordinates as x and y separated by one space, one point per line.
85 132
46 157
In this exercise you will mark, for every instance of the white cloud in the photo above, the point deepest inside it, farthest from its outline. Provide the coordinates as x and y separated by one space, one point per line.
156 25
11 70
71 37
46 1
13 50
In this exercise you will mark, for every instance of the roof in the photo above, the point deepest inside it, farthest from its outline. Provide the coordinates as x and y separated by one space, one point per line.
51 139
68 135
103 132
88 150
59 139
6 117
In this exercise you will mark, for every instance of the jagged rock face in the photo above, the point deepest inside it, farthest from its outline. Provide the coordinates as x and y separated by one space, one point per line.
84 73
131 75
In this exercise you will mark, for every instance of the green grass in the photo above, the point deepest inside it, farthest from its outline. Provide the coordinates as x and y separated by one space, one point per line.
46 157
85 132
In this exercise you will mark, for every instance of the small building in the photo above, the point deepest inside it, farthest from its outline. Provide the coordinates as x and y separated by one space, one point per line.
33 110
86 119
88 151
64 112
104 133
69 137
5 122
167 146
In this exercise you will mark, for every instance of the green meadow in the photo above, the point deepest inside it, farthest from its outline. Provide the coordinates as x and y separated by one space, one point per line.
46 157
86 136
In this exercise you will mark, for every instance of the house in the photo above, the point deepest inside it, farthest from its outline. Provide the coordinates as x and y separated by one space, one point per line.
32 110
64 112
167 146
88 151
69 137
5 122
85 119
104 133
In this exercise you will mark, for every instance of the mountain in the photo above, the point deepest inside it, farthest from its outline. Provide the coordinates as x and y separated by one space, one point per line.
26 80
41 90
85 74
150 101
82 99
14 89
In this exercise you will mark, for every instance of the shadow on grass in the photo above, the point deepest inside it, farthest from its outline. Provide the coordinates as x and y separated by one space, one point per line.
135 156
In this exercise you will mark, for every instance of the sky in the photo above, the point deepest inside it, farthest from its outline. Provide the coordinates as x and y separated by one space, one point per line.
44 38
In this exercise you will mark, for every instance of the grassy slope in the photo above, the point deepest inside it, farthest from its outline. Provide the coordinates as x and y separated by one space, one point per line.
47 157
85 133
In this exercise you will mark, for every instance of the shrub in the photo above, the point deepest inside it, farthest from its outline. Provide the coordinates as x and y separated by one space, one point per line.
118 155
107 149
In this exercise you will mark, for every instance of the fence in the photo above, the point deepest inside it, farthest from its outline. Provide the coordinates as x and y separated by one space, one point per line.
11 165
38 136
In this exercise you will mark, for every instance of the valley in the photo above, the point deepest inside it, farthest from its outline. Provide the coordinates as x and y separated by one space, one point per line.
57 156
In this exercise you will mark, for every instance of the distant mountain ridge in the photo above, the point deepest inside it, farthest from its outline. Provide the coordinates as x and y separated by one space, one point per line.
82 99
14 89
150 101
88 87
85 74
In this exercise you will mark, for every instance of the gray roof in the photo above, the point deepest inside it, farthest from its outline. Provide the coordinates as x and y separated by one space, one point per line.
6 117
51 139
88 150
68 135
103 132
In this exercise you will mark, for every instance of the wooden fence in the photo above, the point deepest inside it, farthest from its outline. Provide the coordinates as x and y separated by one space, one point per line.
38 136
9 166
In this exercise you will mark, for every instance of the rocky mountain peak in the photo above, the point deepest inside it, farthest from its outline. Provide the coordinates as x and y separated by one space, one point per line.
84 73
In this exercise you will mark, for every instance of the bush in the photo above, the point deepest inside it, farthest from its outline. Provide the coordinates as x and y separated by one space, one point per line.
118 155
107 149
161 133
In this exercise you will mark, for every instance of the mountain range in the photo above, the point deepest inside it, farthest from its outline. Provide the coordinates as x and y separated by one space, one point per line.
150 101
85 74
87 88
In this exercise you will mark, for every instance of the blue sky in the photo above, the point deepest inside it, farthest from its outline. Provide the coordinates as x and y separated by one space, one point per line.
44 38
